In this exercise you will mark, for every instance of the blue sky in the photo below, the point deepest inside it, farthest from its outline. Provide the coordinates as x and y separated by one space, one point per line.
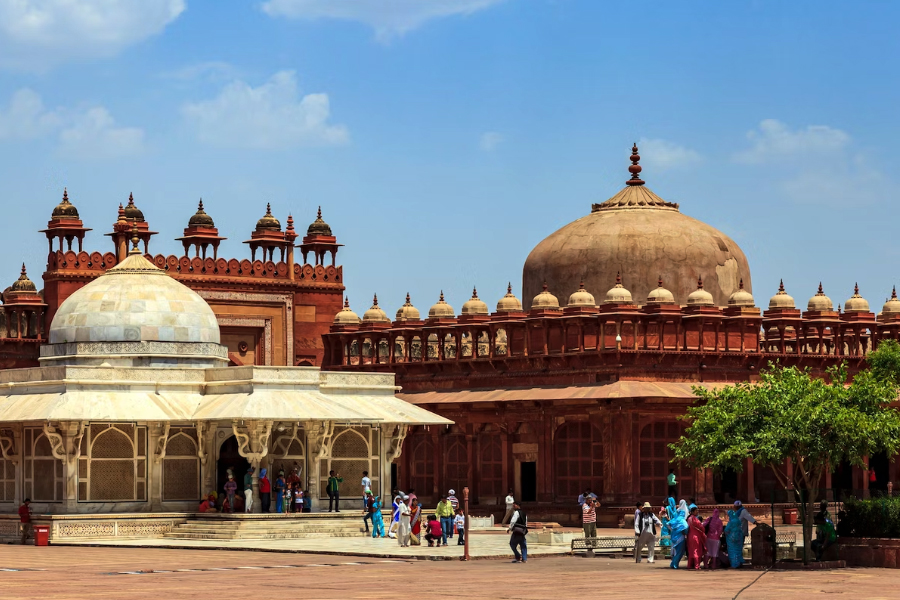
445 138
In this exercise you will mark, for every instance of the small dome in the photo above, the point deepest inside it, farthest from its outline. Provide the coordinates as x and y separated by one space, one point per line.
23 284
319 227
509 302
375 314
346 316
741 297
132 212
700 297
545 301
268 222
581 297
660 295
475 305
781 298
618 294
65 209
820 302
441 310
200 218
856 303
407 312
892 306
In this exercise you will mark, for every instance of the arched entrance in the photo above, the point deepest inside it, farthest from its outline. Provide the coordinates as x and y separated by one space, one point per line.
229 457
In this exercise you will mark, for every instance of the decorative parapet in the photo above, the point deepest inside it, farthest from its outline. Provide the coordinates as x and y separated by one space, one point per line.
356 381
145 348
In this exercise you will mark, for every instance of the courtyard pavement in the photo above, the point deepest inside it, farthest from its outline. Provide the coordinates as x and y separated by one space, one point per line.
66 572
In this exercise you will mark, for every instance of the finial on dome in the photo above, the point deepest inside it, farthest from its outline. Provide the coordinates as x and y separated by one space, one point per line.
375 300
781 286
821 292
319 213
441 299
346 302
23 269
290 224
474 292
545 286
268 209
700 282
65 194
509 288
581 284
408 301
135 238
130 199
659 282
741 284
635 168
894 293
856 289
618 278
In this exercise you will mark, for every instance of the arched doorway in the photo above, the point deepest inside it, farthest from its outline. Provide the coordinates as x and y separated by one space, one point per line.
229 457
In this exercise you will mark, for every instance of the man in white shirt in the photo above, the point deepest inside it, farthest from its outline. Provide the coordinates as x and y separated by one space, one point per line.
510 508
645 533
366 487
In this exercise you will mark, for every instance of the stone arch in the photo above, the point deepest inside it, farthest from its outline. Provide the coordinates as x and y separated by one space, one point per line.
491 481
421 467
111 464
181 469
456 463
351 454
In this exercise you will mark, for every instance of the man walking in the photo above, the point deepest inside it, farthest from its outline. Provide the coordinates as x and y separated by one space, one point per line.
366 488
645 533
370 503
510 508
444 512
333 489
518 529
672 484
25 520
248 491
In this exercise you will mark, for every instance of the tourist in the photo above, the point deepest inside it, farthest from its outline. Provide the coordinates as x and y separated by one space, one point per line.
454 503
587 494
369 501
734 534
589 518
510 509
287 501
248 490
412 494
334 492
377 518
518 529
444 512
265 491
825 532
745 517
297 497
294 477
696 539
664 540
415 518
279 492
307 500
714 530
366 489
637 514
434 531
460 523
208 505
25 520
404 532
677 530
395 515
672 484
230 489
645 532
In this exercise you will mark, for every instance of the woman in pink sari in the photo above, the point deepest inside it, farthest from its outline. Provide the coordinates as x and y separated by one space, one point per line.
714 529
696 540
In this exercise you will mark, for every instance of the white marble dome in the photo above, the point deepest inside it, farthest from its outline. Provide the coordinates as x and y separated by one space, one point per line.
134 302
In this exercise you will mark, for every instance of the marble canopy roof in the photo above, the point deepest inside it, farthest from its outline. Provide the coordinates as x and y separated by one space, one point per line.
101 393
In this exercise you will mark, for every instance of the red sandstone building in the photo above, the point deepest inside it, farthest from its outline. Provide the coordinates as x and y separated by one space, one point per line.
272 308
573 390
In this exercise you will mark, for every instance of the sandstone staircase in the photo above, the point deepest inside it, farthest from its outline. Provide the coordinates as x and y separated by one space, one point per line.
265 527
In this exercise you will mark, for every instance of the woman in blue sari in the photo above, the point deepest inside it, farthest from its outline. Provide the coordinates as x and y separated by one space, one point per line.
677 530
734 537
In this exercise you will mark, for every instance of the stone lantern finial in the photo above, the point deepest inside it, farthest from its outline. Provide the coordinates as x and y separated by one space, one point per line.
635 168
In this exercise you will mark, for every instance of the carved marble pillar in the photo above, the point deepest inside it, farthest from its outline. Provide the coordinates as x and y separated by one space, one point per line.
159 438
253 444
11 450
206 452
65 444
392 444
318 443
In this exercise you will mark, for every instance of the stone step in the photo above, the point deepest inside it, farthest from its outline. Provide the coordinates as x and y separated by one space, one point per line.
273 536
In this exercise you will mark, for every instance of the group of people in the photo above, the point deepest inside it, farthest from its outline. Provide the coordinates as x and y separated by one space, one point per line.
289 495
708 543
406 519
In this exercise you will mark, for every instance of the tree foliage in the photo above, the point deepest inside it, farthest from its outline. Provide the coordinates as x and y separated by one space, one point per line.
796 424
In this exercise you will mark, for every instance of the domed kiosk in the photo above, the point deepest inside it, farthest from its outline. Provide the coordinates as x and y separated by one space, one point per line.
637 233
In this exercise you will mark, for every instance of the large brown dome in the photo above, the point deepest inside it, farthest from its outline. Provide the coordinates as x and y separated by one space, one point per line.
640 235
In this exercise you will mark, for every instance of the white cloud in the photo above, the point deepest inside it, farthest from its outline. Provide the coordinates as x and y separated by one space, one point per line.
93 134
387 17
41 33
270 116
490 140
774 140
664 154
81 133
26 117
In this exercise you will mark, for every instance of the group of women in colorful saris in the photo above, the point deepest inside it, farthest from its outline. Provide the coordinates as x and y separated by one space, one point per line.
708 543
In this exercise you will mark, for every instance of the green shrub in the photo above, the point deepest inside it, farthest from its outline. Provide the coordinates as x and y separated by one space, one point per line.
873 518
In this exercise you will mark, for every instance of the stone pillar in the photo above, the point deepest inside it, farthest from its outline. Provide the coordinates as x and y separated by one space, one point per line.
158 437
65 444
253 444
318 448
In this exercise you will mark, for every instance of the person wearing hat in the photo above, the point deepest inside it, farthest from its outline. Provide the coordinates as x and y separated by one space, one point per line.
589 517
645 532
454 502
248 490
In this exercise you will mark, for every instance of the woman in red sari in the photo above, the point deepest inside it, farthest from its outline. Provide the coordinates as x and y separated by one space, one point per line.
696 540
415 511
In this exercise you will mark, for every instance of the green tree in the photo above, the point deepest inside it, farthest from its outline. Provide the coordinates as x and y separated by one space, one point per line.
796 424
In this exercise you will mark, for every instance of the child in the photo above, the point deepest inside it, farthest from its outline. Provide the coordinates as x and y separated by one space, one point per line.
460 522
377 519
287 502
298 498
434 531
307 502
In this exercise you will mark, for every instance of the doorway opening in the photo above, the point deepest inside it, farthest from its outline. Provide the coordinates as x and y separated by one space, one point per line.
881 466
528 479
230 458
394 477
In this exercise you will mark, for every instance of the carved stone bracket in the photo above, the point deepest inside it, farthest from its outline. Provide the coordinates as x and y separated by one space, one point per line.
202 431
253 442
58 443
162 442
323 434
8 446
395 447
284 441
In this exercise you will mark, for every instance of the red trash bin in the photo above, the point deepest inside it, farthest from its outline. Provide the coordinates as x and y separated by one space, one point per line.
41 535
